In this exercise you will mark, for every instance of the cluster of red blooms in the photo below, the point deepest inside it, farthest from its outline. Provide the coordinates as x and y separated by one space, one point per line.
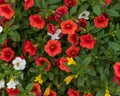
54 47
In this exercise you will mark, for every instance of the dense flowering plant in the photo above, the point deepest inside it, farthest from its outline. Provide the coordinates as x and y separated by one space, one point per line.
59 48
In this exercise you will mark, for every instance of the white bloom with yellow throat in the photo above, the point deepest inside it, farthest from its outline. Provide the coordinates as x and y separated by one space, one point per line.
2 83
11 84
19 63
84 15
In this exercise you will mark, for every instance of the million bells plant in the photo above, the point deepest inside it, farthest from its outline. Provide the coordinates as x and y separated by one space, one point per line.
59 47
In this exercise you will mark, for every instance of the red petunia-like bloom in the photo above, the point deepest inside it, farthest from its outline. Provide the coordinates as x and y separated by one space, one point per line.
101 21
52 93
51 28
73 38
6 54
36 21
116 68
115 78
72 51
29 47
68 27
53 47
62 10
108 2
82 22
72 92
70 3
2 1
87 41
12 92
41 61
62 65
36 89
89 94
28 4
6 11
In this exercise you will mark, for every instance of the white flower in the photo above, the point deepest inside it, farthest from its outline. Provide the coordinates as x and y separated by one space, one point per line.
84 15
11 84
2 83
56 35
1 29
19 63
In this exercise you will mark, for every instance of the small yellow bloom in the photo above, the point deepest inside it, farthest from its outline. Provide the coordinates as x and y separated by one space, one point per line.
107 93
47 91
68 79
39 79
71 61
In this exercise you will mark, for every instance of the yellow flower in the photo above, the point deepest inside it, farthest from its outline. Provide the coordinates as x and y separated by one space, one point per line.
68 79
47 91
39 79
71 61
107 93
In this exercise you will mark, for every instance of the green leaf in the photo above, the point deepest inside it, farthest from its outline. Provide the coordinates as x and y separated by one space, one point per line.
100 93
112 12
73 10
116 6
21 89
97 9
15 36
53 1
38 3
15 27
83 8
86 61
29 87
115 46
3 37
44 4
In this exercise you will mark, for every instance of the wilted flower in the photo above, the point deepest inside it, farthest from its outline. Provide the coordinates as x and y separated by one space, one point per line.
39 79
84 15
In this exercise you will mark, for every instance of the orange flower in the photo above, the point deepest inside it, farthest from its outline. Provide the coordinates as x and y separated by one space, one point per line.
36 89
62 65
68 27
28 4
6 11
101 21
53 47
42 60
36 21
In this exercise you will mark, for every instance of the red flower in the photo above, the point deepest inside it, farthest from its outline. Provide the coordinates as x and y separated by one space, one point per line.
72 92
82 22
70 3
6 11
36 21
51 28
72 51
116 79
101 21
73 38
41 61
36 89
52 93
58 18
12 91
2 1
29 47
62 65
51 18
87 41
89 94
53 47
62 10
108 2
28 4
117 69
68 27
6 54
